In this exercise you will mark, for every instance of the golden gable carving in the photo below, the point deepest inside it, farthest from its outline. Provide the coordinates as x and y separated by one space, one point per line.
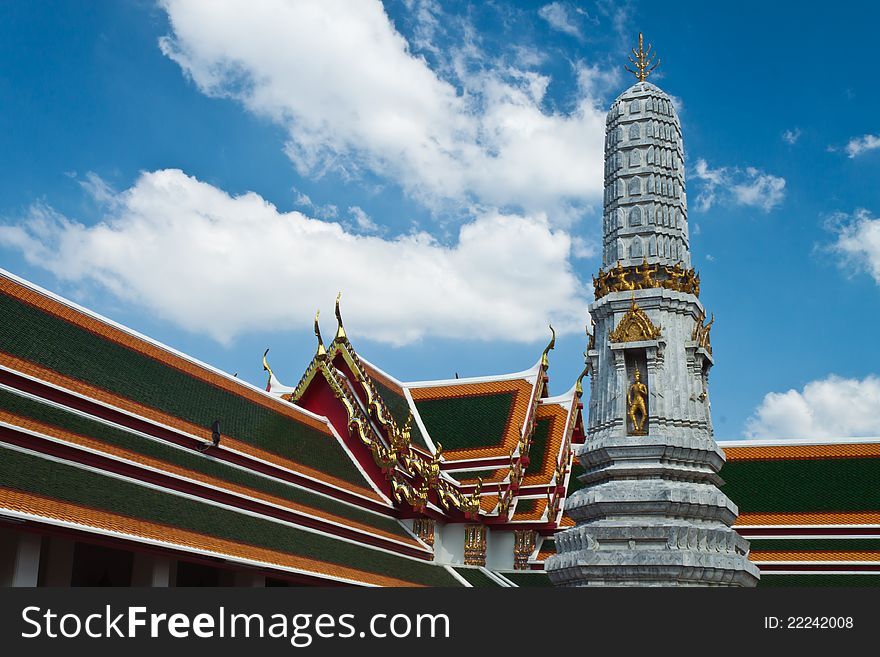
635 327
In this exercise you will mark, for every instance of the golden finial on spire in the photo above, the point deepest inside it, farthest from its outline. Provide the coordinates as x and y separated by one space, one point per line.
340 331
322 352
644 61
266 363
544 361
579 387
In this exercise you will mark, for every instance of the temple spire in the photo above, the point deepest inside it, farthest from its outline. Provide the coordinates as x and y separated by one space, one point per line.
644 61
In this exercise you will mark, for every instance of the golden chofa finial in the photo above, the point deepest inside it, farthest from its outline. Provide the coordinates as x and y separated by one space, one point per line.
266 367
322 352
579 386
644 61
545 362
340 330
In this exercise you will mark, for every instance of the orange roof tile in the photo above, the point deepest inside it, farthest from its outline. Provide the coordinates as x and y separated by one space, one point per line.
820 518
774 452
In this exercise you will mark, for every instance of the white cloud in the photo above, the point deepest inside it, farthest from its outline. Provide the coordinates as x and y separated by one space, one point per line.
858 241
97 188
791 136
558 17
749 186
362 220
224 265
831 408
328 211
760 190
351 94
858 145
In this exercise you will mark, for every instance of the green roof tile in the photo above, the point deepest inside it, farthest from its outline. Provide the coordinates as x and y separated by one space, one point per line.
803 485
527 578
818 544
467 422
538 449
476 577
810 579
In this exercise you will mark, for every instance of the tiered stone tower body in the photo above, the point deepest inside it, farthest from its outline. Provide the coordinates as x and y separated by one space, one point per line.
651 513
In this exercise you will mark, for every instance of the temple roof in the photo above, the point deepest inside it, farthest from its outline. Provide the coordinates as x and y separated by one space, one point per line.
489 440
108 432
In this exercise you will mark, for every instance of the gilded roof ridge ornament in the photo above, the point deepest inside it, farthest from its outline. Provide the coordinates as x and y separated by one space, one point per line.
644 61
321 354
578 386
266 367
545 362
340 330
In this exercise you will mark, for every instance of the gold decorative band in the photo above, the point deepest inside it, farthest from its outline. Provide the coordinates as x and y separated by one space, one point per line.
624 279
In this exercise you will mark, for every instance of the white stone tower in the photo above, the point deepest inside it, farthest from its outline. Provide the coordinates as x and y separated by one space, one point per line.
651 513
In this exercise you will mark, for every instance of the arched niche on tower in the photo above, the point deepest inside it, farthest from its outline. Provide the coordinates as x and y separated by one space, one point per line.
636 344
635 186
635 216
634 131
635 249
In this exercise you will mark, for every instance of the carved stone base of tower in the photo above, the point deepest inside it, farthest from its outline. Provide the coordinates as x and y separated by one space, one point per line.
651 515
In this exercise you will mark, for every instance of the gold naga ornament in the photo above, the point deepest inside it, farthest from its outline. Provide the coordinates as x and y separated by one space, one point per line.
635 327
637 398
415 496
644 61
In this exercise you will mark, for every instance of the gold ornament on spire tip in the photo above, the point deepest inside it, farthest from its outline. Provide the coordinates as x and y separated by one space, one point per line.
340 331
644 61
551 345
266 367
322 352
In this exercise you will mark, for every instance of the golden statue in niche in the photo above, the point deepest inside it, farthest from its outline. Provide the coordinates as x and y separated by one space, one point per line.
637 398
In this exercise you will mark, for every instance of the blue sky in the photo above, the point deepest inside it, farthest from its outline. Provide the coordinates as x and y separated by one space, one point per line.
209 173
